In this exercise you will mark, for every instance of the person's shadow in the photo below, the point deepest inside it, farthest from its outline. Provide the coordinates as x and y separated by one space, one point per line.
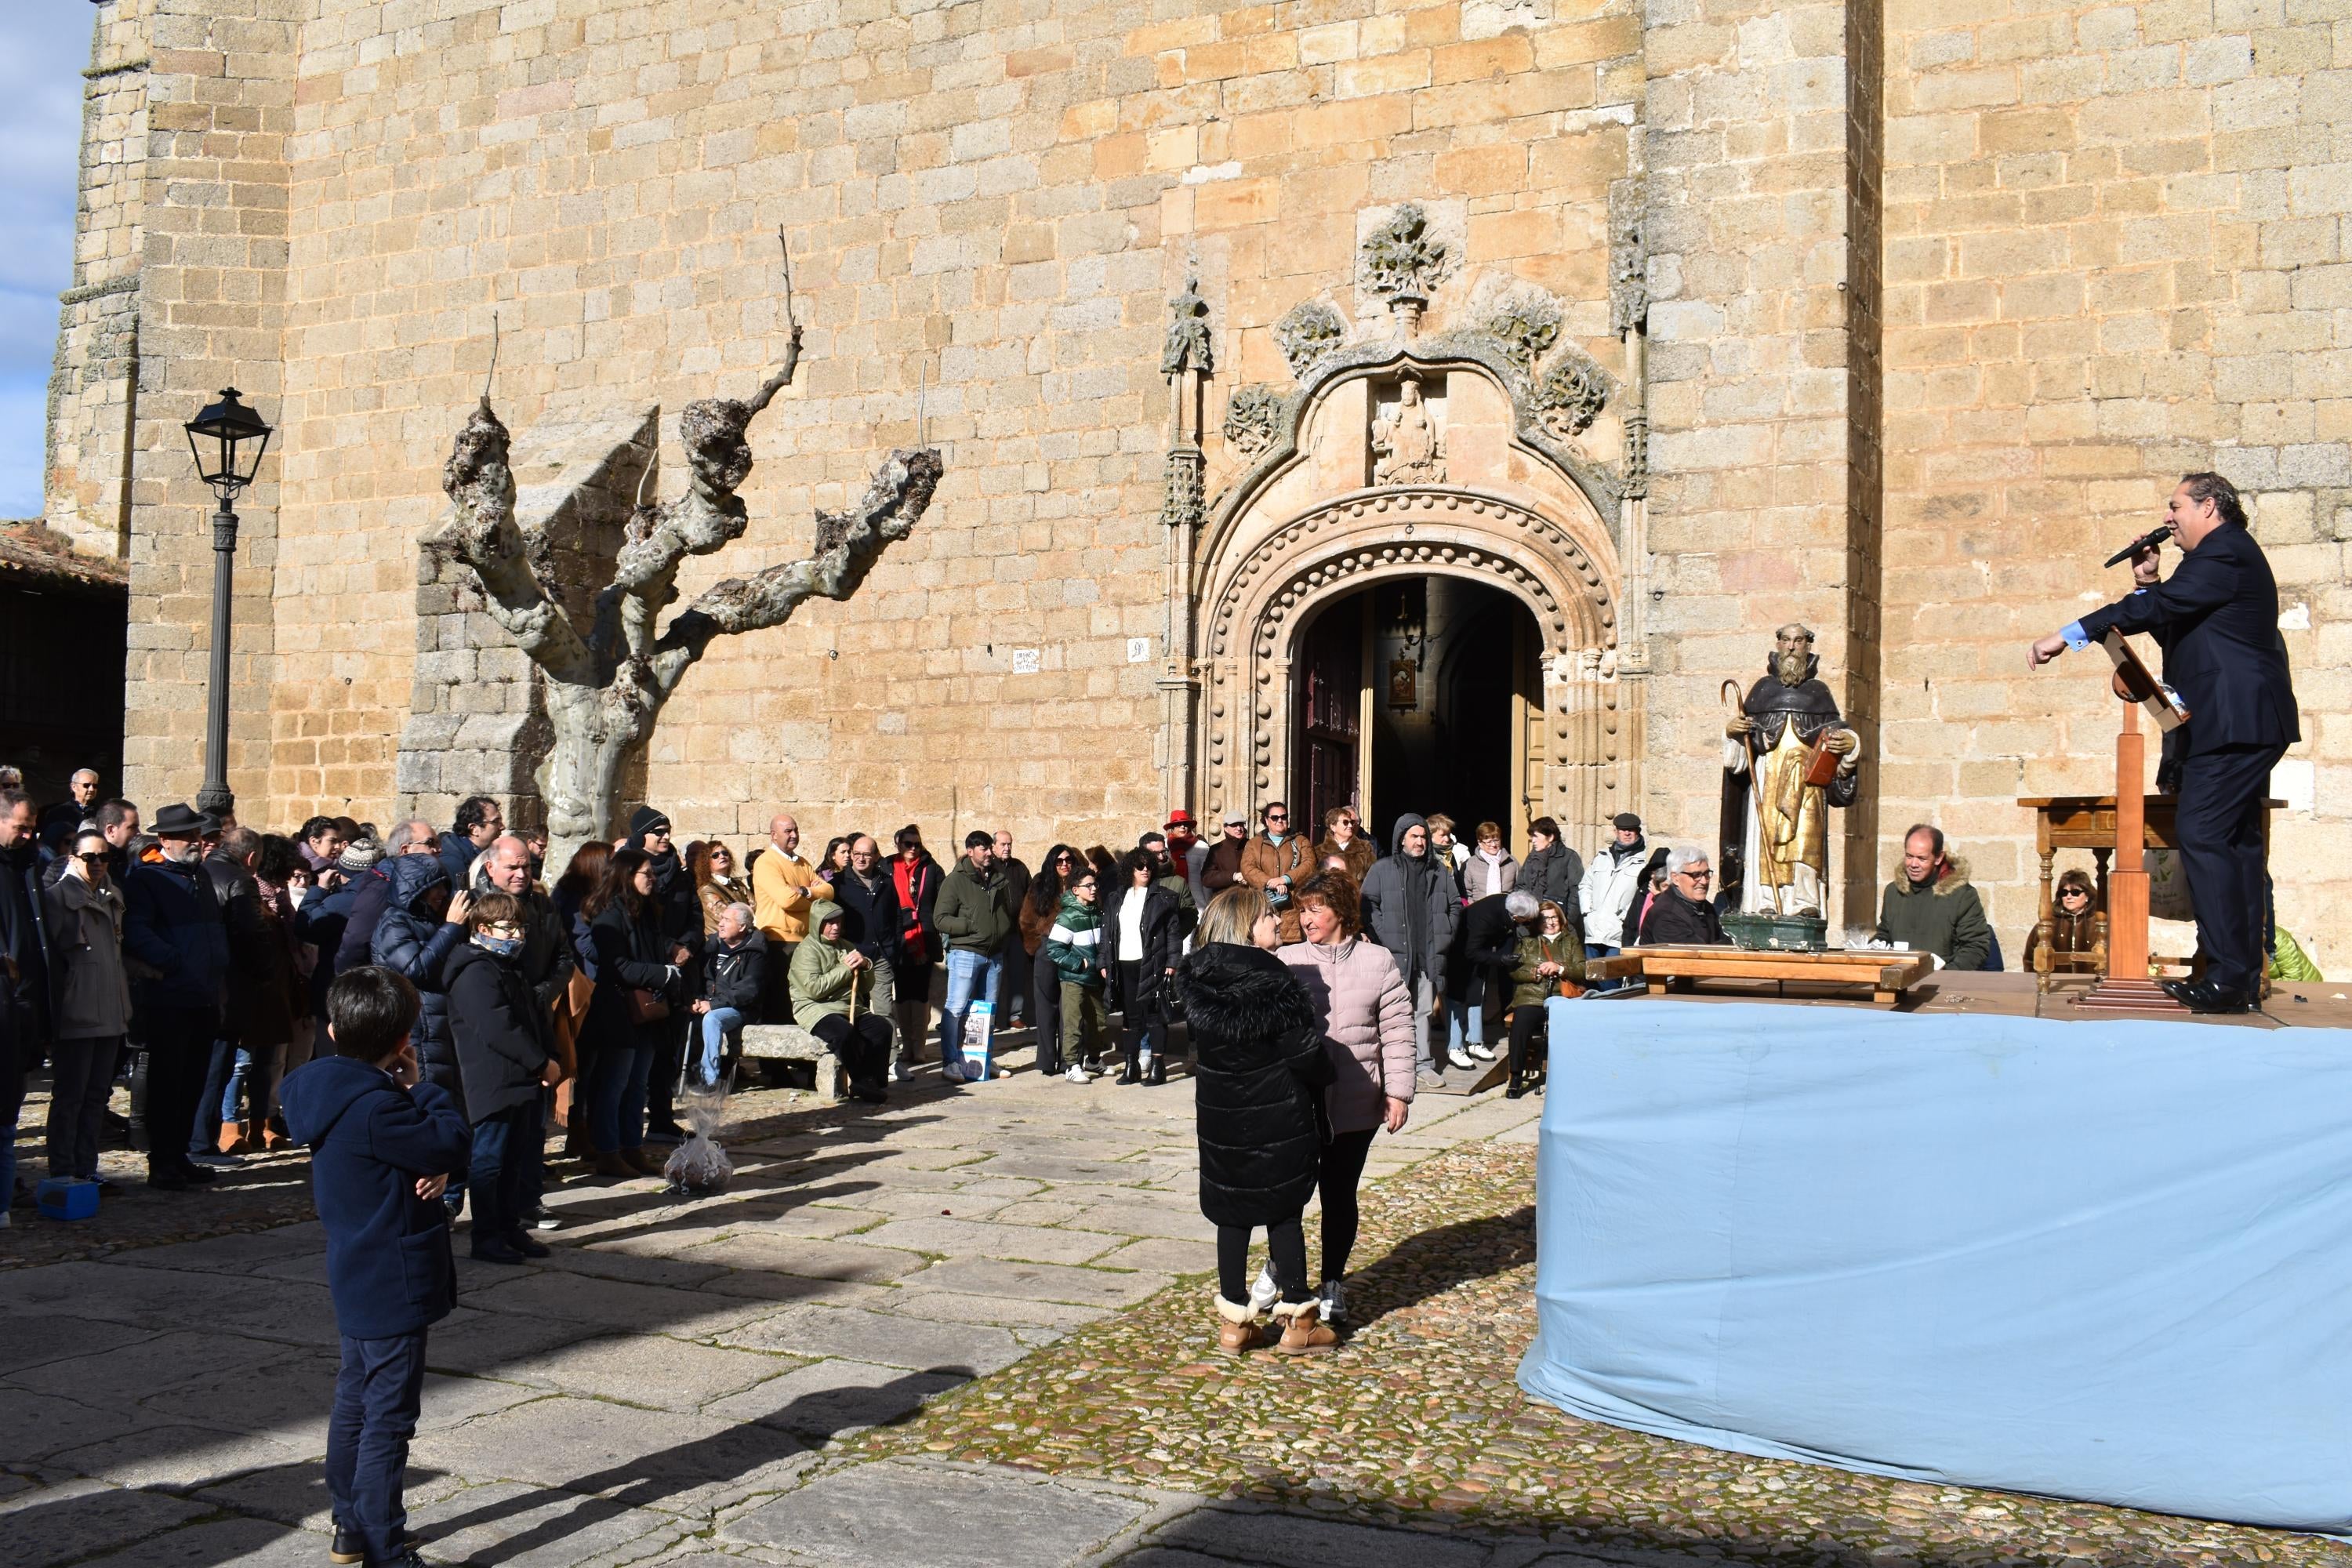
1430 1262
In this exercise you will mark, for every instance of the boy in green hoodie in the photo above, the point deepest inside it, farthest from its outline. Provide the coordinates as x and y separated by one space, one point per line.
1075 948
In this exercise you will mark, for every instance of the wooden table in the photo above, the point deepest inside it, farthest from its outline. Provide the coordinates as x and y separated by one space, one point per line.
2089 822
1888 975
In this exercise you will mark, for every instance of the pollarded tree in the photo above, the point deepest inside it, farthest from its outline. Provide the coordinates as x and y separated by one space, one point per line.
605 686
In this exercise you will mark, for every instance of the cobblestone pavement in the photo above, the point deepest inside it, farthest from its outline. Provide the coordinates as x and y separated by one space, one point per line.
965 1330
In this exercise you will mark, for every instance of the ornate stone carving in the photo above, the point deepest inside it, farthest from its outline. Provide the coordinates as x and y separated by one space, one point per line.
1526 327
1308 334
1634 483
1408 448
1184 503
1629 256
1402 261
1570 397
1188 332
1250 416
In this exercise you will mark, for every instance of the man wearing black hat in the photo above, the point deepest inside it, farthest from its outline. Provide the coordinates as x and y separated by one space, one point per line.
172 925
1610 885
680 911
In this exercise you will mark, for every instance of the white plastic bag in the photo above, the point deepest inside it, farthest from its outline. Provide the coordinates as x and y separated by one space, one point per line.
698 1166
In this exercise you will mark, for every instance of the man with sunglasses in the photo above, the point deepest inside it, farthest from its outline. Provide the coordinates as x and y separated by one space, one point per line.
1275 861
1684 915
1221 868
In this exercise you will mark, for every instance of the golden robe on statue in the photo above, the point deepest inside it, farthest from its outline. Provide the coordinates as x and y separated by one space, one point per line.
1770 743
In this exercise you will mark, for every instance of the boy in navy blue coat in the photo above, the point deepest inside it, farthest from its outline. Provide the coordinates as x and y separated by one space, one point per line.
382 1148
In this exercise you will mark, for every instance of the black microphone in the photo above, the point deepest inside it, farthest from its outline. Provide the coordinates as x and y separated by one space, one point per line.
2153 537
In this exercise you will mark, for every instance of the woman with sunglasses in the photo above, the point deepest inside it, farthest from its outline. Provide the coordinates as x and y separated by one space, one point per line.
1275 863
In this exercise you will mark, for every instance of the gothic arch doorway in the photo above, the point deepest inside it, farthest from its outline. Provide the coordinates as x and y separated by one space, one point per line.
1262 739
1423 694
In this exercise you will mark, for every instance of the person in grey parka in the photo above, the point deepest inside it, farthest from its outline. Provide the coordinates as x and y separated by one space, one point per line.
1409 907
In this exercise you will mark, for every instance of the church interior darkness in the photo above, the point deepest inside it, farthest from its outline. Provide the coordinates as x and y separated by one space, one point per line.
1415 694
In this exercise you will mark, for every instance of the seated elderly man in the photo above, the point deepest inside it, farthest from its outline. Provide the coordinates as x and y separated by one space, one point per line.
1684 915
733 969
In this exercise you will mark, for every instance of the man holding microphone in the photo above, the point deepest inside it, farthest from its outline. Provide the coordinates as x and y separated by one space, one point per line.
2217 619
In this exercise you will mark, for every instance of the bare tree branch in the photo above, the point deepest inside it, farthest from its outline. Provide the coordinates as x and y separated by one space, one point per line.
847 544
480 486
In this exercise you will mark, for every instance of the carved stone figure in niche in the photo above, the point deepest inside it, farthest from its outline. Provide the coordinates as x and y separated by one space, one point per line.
1788 757
1408 448
1188 332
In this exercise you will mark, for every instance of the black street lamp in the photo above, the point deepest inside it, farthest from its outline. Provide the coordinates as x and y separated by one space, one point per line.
227 439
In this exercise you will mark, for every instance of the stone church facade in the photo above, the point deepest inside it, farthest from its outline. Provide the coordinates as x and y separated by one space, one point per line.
1649 327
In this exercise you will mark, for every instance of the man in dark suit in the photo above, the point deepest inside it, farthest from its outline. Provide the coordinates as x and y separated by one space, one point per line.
2217 617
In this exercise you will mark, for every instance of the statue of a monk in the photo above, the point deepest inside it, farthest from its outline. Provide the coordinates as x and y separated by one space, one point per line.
1771 746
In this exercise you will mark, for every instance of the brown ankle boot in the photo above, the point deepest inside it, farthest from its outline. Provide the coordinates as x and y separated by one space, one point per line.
1303 1330
1238 1331
232 1138
611 1165
639 1162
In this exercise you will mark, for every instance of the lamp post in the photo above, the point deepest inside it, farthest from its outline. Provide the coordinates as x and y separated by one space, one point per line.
227 439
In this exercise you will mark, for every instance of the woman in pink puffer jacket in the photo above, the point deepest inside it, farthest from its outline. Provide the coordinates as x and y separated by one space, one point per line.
1367 1018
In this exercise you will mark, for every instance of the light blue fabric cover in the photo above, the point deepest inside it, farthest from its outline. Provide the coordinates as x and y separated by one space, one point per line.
2109 1261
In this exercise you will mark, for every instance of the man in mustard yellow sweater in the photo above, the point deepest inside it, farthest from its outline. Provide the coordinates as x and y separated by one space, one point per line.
780 881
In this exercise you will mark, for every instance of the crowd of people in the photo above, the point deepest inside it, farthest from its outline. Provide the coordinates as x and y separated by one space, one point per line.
194 957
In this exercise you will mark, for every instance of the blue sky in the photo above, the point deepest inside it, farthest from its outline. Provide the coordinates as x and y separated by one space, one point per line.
44 44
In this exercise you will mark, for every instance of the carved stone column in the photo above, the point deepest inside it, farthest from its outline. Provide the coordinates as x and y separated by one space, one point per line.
1629 309
1187 363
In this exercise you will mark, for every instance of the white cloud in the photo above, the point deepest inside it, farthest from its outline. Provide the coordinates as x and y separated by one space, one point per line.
43 47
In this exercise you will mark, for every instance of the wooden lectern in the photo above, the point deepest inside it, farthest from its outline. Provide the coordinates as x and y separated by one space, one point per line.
2127 986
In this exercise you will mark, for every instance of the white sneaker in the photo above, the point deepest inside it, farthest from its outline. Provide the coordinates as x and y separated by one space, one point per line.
1483 1053
1460 1060
5 1221
1264 1293
1078 1074
898 1073
1335 1303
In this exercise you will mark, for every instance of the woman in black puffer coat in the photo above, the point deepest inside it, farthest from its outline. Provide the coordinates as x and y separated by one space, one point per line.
424 922
1259 1068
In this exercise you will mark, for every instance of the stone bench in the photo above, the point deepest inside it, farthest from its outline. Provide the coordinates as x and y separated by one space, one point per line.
780 1043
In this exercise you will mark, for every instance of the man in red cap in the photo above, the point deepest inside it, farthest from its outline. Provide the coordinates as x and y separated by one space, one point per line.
1185 852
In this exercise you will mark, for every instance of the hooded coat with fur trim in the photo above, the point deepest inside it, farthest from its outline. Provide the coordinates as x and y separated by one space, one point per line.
1259 1070
1945 918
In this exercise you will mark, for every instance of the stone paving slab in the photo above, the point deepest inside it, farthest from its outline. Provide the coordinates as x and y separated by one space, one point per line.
247 1543
869 1515
648 1369
968 1348
679 1464
532 1527
834 1397
1038 1281
943 1236
64 1523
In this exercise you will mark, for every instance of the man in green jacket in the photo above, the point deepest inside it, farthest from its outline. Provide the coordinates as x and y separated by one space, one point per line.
975 913
1931 908
832 986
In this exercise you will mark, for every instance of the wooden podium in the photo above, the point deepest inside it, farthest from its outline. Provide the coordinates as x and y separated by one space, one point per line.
2126 987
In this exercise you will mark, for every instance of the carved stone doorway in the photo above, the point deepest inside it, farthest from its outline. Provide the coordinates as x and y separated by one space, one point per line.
1422 693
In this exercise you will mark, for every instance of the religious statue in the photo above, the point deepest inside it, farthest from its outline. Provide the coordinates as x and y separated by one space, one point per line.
1188 332
1406 447
1788 752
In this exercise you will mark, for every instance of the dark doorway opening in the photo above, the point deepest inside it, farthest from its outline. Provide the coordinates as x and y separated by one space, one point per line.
1415 695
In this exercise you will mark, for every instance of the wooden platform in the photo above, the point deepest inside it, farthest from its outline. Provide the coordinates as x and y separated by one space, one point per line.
2321 1005
1887 975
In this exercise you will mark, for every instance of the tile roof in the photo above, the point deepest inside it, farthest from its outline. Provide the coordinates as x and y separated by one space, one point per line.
32 553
